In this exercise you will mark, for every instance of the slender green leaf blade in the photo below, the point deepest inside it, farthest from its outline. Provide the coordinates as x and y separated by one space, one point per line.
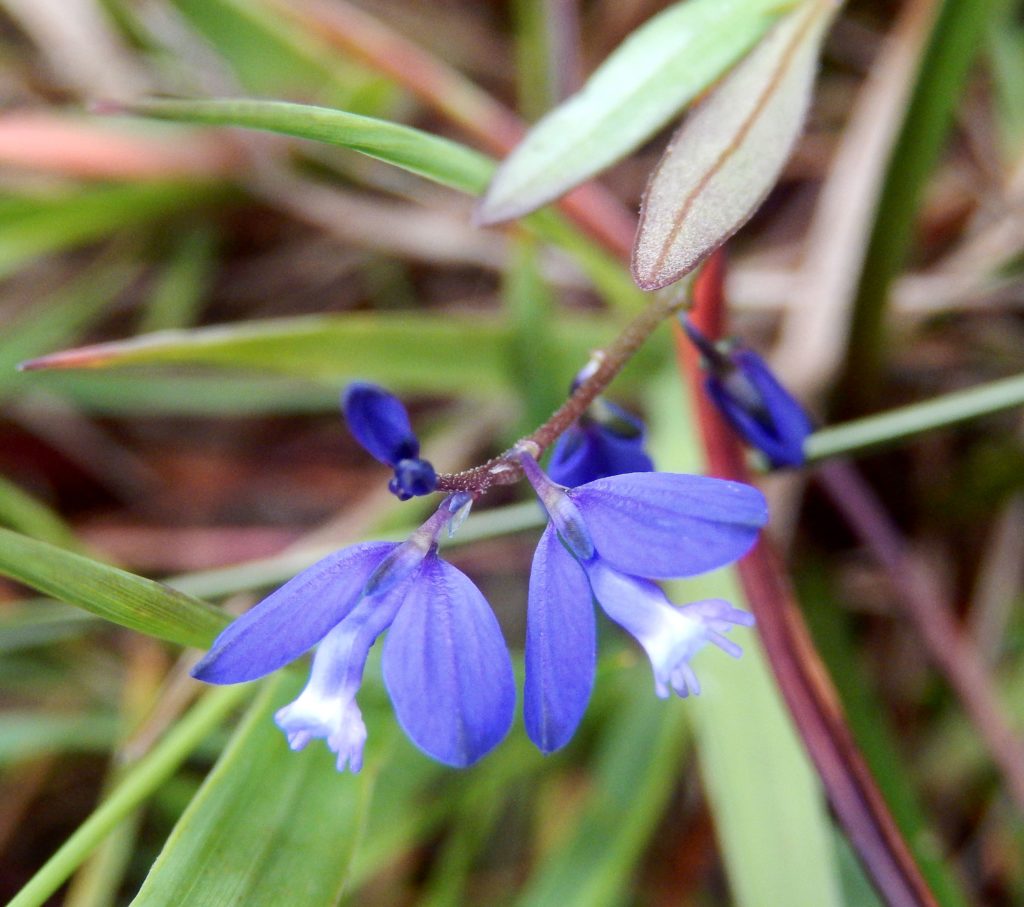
268 827
640 756
730 151
23 513
646 81
33 227
426 155
118 596
771 815
413 351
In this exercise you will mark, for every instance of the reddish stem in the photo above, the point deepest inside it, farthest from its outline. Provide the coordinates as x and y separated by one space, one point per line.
802 677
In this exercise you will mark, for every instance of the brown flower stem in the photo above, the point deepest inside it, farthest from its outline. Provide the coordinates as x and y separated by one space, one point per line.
608 362
802 677
950 649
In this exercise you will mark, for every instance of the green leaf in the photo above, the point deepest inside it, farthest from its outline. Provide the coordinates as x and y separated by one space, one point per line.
118 596
271 56
408 351
411 149
770 813
268 827
730 150
23 513
33 227
646 81
638 762
28 735
139 783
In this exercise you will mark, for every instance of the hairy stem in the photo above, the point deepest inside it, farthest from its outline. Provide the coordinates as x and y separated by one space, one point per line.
608 362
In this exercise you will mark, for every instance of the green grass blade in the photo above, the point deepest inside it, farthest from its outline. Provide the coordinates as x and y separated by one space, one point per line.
33 227
23 513
118 596
955 39
268 827
408 351
419 152
181 287
270 56
137 786
652 75
771 817
638 762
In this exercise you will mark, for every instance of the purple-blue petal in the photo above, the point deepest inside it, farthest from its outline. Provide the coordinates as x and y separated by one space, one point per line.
560 645
292 619
379 422
780 428
447 668
584 454
661 525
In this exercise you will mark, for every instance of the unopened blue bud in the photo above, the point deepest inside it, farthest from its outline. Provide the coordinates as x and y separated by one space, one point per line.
413 477
380 423
606 441
752 401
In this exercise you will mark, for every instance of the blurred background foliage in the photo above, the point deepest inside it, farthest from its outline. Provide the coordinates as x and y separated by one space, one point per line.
216 460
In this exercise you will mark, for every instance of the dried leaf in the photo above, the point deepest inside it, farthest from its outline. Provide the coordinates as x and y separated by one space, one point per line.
729 152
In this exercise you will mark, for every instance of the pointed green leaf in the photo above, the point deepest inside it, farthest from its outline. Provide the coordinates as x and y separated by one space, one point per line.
729 151
411 149
118 596
771 817
646 81
640 756
412 351
32 227
268 827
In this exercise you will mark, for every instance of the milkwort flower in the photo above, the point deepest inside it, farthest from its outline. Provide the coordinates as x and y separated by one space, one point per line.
605 441
752 400
445 664
606 541
379 422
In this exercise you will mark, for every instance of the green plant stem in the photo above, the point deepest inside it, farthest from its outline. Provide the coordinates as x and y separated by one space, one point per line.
897 424
954 42
151 771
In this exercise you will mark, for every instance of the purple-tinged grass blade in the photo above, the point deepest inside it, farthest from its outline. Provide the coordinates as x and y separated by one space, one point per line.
447 668
663 525
292 619
730 150
561 645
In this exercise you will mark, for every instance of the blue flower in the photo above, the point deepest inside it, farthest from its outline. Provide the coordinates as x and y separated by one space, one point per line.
605 541
379 422
753 402
445 663
605 441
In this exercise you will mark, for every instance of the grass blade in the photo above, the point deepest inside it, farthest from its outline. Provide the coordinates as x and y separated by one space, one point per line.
115 595
268 827
426 155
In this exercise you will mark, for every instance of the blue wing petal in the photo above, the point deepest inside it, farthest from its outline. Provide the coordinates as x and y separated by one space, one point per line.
659 525
560 645
379 422
447 669
292 619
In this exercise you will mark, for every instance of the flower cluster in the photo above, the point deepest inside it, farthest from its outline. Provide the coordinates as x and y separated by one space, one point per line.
752 400
445 663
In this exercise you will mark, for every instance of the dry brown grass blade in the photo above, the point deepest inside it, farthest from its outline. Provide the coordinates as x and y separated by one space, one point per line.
812 333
